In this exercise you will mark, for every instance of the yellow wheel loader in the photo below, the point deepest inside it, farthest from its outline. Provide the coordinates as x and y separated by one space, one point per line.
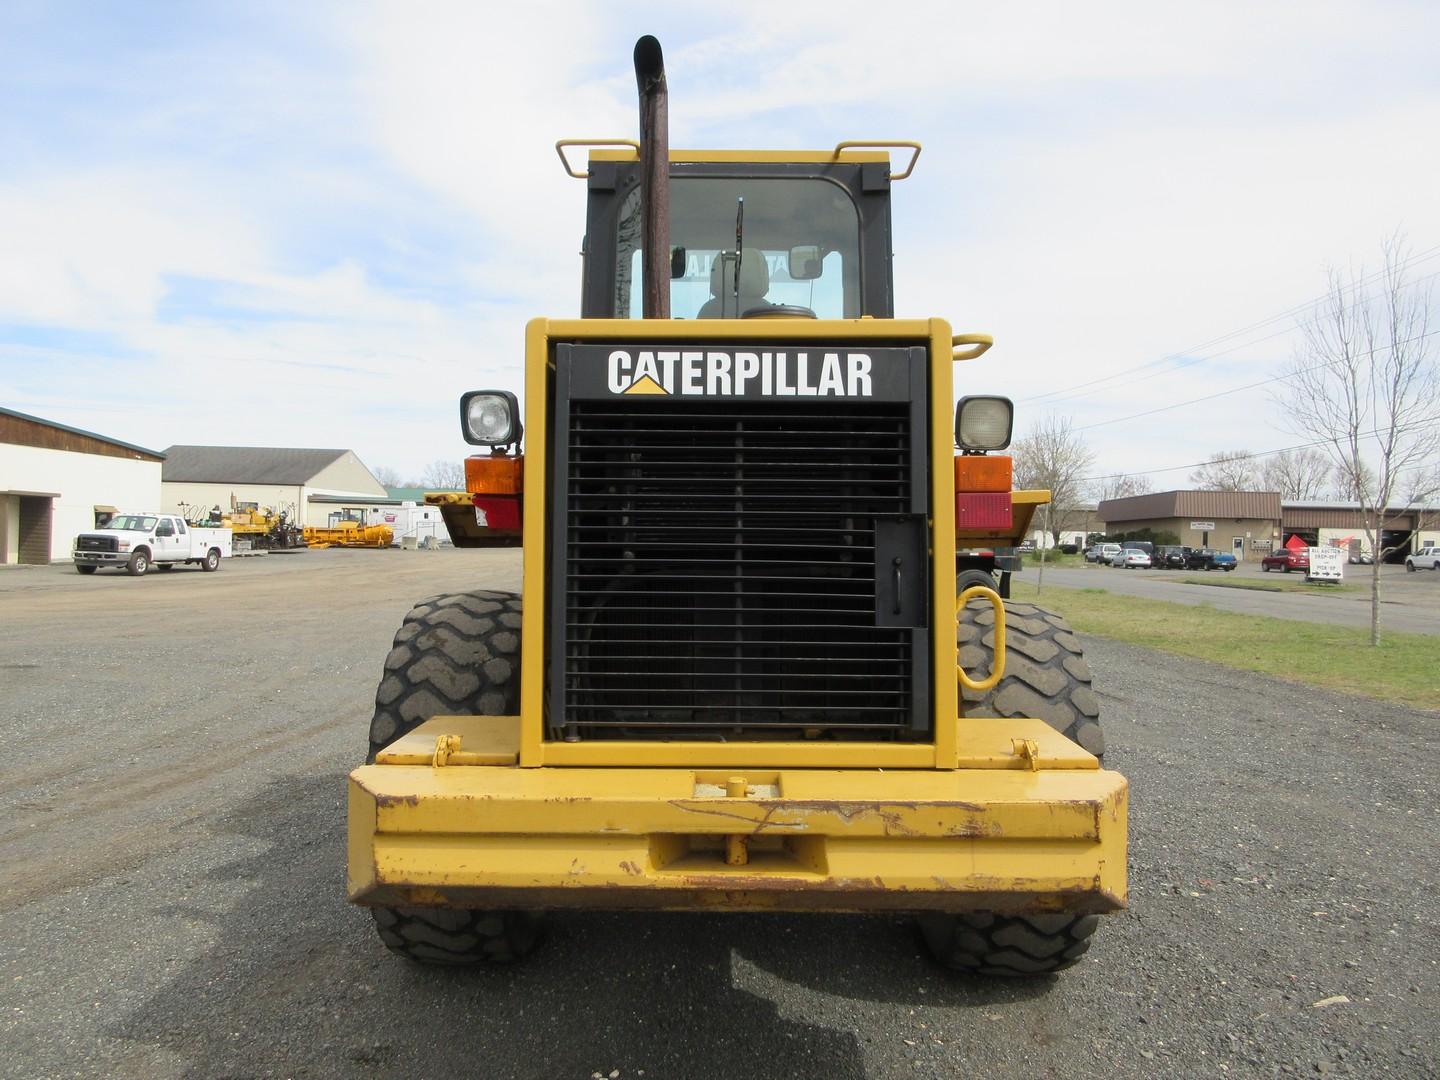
742 678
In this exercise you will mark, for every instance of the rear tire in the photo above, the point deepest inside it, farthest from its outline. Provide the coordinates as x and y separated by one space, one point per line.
1018 946
1046 678
457 654
451 937
211 562
967 578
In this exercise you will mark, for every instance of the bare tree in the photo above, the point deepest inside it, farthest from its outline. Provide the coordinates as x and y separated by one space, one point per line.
1297 474
1350 482
1366 385
1053 456
444 476
388 477
1121 486
1227 470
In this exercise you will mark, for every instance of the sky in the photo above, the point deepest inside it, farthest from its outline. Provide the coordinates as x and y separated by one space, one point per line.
318 224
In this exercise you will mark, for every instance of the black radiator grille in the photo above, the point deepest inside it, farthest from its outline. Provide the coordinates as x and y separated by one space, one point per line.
95 543
718 567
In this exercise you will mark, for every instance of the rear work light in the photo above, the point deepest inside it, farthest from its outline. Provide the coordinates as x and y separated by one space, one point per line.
490 418
983 422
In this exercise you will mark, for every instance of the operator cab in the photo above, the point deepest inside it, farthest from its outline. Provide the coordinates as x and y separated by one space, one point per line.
808 234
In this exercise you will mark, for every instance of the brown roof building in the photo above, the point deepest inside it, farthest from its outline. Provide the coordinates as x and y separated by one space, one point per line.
1245 523
1251 523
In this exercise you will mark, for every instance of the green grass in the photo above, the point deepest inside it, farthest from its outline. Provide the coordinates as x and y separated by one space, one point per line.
1404 669
1055 558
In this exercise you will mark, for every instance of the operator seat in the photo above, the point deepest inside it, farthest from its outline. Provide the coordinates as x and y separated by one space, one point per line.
754 284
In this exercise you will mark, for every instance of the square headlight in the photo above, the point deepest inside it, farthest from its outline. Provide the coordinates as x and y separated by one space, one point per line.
984 423
490 417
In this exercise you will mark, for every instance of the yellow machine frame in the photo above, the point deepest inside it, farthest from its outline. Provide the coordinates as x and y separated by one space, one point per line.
1001 815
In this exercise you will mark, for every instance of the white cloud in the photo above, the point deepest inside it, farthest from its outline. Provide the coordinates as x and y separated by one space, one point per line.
366 205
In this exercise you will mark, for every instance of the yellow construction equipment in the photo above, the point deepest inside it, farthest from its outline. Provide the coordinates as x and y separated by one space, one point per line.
261 528
742 678
348 534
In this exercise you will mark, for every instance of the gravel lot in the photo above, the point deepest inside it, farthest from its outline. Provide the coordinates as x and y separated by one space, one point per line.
172 885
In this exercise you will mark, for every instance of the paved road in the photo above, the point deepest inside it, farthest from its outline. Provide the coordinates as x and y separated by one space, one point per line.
1409 602
171 878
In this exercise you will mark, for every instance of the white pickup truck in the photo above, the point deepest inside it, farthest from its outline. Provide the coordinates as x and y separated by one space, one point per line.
139 541
1427 558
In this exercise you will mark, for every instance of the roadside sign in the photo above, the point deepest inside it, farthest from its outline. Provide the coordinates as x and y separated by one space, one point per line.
1203 526
1326 564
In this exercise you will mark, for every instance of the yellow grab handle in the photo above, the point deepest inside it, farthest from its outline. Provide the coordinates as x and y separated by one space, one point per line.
998 672
561 146
884 144
981 343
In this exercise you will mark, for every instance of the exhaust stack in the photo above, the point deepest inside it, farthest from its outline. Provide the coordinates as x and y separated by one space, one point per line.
654 177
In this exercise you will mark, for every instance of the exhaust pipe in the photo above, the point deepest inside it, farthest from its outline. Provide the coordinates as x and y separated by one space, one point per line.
654 177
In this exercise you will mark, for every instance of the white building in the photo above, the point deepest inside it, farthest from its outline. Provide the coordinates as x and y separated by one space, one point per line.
307 485
55 481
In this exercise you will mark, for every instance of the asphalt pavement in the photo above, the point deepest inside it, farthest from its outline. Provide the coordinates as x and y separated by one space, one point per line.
171 877
1410 602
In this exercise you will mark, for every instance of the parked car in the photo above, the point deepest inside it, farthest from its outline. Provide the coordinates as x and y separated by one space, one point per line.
1169 557
1427 558
1132 559
1208 559
1108 552
1286 559
1092 553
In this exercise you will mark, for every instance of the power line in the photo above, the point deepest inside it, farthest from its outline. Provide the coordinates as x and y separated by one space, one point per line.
1247 386
1187 354
1256 454
1221 352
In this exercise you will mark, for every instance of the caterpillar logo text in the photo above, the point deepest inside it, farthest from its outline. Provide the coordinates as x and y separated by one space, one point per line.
715 373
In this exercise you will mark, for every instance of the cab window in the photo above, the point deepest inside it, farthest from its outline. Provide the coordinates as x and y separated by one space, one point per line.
798 245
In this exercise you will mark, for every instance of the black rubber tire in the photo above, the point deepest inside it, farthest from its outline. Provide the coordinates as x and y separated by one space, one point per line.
966 578
211 562
455 654
138 564
82 568
454 938
1046 676
1014 946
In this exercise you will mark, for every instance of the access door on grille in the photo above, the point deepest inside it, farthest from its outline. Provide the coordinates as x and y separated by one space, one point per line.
738 546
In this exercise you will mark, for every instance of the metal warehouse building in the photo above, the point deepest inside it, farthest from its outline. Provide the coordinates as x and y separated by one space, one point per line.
55 481
1241 522
306 485
1250 524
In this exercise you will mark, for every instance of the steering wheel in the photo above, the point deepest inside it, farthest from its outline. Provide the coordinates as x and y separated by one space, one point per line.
778 311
